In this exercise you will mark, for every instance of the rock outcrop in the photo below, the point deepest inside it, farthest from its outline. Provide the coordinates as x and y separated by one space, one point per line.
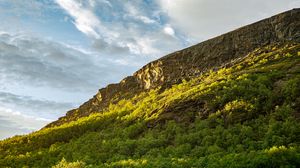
193 61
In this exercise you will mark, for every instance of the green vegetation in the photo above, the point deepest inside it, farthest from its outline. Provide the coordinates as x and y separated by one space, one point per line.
246 115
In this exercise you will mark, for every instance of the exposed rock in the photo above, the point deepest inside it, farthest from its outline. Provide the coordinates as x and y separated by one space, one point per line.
192 61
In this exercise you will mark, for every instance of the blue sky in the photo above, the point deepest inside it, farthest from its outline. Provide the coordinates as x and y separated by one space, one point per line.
56 54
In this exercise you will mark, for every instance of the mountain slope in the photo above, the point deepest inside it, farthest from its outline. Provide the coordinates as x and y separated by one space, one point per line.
193 61
246 115
244 112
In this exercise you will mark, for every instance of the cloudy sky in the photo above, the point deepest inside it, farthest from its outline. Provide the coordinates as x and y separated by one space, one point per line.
56 54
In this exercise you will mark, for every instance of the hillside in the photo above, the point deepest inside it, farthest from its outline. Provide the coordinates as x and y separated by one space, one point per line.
236 103
193 61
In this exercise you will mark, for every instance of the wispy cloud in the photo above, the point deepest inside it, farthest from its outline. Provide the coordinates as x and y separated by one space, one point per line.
84 19
34 107
39 62
131 27
133 13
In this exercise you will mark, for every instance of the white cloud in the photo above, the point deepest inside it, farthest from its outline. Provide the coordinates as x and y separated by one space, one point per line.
85 20
203 19
134 13
146 19
169 30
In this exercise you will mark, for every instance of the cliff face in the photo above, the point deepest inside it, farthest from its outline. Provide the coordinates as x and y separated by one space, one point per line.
192 61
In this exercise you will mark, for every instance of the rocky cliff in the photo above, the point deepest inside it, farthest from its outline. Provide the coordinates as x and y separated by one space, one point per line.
192 61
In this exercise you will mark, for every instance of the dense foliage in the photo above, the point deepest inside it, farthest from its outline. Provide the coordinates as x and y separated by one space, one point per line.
244 115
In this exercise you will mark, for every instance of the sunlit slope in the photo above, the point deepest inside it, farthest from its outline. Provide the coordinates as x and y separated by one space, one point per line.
190 62
244 114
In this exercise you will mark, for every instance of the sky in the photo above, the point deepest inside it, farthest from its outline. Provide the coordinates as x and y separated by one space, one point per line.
56 54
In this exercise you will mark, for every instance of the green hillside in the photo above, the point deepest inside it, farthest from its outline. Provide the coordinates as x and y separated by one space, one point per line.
246 114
